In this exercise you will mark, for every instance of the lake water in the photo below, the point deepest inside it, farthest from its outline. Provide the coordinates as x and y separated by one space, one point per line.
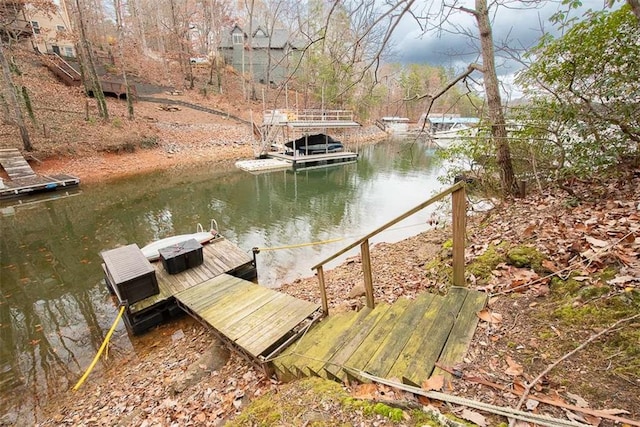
54 307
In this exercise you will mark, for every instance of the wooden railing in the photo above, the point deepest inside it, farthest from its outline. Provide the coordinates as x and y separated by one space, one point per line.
459 208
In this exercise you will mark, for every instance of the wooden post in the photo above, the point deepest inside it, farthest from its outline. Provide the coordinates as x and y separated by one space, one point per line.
459 204
366 270
323 291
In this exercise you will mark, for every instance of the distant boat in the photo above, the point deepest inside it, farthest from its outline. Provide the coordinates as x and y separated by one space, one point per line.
445 131
395 125
315 144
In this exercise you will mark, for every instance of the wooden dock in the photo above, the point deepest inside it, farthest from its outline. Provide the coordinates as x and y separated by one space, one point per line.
404 340
220 256
311 161
257 321
24 181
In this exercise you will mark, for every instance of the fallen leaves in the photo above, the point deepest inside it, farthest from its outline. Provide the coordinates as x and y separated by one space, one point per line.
490 316
514 368
434 383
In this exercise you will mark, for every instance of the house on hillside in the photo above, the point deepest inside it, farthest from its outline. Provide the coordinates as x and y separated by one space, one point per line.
52 32
273 53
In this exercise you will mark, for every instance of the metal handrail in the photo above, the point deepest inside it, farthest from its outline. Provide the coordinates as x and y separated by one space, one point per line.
458 225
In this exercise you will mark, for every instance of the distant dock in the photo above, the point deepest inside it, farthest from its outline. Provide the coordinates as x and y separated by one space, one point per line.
24 181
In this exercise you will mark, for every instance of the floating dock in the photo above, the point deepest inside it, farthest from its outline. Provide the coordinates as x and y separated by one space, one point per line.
24 181
256 321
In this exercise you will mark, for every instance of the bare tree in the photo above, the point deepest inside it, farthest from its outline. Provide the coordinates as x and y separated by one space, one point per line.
494 102
120 35
87 63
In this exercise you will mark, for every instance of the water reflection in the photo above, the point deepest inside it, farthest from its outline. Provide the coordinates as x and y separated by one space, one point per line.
54 308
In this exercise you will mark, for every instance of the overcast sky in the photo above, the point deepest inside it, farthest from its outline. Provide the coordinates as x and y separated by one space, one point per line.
517 28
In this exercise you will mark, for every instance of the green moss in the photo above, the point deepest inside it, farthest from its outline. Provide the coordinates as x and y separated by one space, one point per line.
590 292
526 257
484 264
564 287
448 244
394 414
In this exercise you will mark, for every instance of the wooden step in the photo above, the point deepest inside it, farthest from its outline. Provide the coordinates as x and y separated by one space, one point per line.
416 339
309 349
435 338
462 332
328 348
376 338
393 345
351 343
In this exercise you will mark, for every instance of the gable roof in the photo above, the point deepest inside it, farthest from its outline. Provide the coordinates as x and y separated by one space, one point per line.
279 39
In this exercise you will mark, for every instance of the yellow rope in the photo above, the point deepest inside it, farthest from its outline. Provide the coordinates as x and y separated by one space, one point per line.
102 347
300 245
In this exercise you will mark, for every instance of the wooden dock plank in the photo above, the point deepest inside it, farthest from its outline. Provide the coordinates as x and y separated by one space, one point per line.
172 284
252 316
14 164
462 332
435 338
277 327
385 356
213 291
236 305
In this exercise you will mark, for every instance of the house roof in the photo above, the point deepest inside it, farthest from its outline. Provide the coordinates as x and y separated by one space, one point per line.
279 39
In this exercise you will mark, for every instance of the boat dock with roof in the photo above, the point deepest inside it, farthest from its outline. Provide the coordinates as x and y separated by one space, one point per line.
299 139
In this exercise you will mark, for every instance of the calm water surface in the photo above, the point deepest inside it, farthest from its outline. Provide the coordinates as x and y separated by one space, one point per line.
54 307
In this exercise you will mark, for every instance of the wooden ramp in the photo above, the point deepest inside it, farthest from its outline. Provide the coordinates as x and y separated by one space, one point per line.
255 320
402 341
15 165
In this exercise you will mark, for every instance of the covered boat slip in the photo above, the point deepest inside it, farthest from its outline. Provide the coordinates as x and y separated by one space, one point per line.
283 133
255 320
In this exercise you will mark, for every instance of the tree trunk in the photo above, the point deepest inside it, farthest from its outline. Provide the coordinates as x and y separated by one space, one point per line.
120 36
494 103
138 26
13 100
90 67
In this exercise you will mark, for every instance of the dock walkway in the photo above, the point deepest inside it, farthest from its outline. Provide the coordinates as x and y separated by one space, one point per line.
23 180
255 320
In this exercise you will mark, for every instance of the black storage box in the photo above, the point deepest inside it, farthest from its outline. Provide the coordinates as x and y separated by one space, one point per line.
181 256
130 274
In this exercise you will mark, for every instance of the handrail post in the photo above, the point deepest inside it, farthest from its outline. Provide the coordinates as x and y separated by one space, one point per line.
459 208
323 291
366 270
